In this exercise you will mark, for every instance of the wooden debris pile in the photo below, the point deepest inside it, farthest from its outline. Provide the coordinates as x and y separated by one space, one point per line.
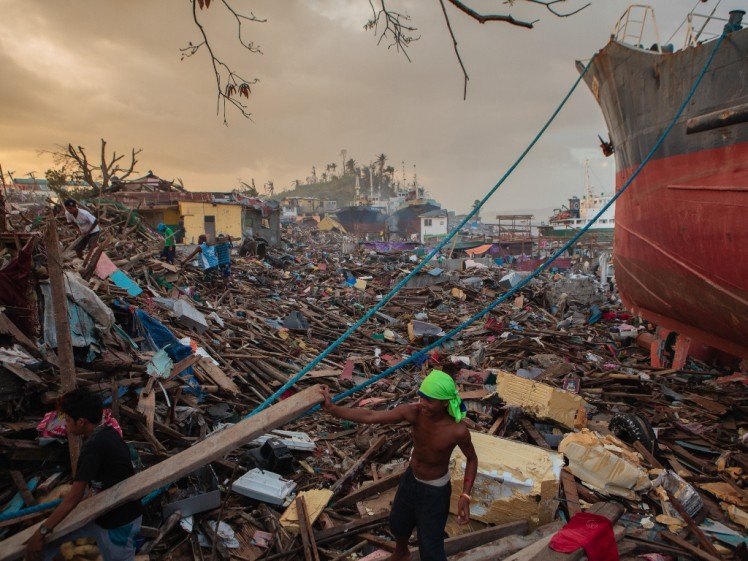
189 356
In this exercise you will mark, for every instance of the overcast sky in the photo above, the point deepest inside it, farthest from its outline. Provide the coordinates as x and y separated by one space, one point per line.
76 72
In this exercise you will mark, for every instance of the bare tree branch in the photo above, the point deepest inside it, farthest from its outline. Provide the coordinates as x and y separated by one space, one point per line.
387 24
549 6
457 51
395 27
230 86
483 18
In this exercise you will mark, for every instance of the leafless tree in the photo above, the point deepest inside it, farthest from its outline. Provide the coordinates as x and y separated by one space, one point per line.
98 174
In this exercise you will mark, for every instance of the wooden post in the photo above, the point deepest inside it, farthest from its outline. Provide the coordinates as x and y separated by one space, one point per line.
212 448
62 326
305 529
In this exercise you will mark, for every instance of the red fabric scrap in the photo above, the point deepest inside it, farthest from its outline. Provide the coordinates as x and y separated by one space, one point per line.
592 532
53 424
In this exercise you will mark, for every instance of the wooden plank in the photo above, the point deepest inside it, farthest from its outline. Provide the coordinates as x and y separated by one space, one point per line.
681 452
305 529
570 492
351 528
65 357
22 487
689 547
22 372
700 536
534 433
173 468
647 455
338 485
183 365
472 540
7 327
366 491
508 545
218 376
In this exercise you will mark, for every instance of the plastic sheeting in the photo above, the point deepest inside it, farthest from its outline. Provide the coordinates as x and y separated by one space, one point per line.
89 318
156 337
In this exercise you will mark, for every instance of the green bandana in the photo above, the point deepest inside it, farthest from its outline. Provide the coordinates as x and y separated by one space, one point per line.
440 385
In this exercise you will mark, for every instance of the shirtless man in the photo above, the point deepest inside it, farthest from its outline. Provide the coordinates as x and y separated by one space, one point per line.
422 499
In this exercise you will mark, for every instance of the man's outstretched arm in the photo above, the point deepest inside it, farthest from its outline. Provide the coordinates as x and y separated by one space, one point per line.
366 416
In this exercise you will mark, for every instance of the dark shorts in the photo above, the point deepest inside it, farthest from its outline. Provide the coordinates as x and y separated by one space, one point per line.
225 270
211 274
86 242
425 508
169 253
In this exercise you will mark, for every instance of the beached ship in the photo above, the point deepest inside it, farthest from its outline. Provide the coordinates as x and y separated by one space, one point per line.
363 215
405 220
680 242
567 221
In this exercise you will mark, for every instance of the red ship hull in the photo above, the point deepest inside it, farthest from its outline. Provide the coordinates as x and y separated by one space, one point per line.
681 246
681 240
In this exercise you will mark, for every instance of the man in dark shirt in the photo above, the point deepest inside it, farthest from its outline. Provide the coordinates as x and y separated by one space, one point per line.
104 461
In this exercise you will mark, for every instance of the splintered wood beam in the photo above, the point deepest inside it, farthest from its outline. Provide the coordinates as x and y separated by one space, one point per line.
382 484
23 488
700 536
305 529
458 544
361 461
62 326
212 448
689 547
570 493
351 528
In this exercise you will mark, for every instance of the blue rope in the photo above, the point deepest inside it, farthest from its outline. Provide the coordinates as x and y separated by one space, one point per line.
545 265
426 259
29 510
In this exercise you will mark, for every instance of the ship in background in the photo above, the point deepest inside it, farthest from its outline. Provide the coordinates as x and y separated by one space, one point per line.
680 241
363 215
566 222
405 221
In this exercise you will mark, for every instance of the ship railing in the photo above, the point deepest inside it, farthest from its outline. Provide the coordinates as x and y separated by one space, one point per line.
636 21
701 28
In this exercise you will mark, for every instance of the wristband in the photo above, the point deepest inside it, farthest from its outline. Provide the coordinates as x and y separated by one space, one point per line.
468 497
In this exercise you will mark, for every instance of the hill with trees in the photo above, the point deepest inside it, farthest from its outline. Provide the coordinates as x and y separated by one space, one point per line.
338 182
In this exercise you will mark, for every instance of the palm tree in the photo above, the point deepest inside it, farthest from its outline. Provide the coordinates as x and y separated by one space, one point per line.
350 166
333 166
344 155
381 159
390 174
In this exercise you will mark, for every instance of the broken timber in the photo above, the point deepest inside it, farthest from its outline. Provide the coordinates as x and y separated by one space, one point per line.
472 540
62 330
173 468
